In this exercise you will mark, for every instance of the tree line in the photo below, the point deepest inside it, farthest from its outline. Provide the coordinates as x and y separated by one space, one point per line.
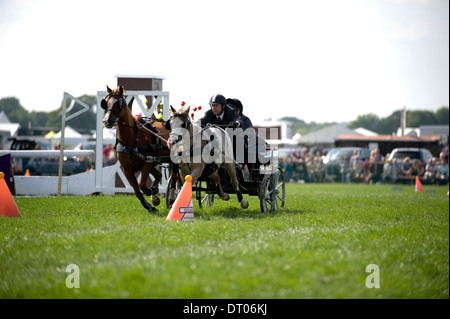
390 124
383 125
86 122
83 123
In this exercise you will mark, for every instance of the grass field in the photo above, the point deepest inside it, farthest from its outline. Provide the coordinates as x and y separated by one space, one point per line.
318 247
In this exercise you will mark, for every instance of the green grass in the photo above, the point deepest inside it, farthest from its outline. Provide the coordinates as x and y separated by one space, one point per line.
318 247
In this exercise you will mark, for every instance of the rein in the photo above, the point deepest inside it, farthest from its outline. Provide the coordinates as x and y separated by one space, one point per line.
151 132
187 125
129 149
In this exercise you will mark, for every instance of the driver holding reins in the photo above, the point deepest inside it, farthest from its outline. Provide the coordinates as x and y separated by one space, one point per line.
220 113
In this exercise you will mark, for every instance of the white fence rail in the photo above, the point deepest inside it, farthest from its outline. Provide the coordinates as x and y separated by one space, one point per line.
46 153
104 180
77 184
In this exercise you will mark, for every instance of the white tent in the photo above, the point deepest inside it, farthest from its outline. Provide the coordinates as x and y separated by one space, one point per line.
109 136
365 132
7 129
326 135
71 137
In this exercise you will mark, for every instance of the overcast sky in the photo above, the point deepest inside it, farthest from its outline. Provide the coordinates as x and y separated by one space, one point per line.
318 60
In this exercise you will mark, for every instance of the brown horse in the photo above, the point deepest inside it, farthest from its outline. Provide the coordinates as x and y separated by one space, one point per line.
138 148
193 141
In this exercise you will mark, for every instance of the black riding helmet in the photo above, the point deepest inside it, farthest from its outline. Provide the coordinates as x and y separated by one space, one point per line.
218 99
235 104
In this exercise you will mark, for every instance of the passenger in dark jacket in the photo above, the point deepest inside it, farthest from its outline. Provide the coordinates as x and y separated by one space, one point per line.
250 156
236 104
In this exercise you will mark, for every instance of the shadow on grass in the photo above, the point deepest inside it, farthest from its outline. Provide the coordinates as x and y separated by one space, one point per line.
239 213
217 211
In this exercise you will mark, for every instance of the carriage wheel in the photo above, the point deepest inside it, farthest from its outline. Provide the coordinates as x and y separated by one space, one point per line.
176 190
272 192
207 198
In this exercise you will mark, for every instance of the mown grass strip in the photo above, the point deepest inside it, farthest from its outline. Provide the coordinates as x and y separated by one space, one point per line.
318 247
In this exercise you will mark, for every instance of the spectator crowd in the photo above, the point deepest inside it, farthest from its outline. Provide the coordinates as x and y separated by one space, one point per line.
308 167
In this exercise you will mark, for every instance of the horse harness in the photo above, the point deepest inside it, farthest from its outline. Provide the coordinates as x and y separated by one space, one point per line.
139 150
104 105
130 150
210 167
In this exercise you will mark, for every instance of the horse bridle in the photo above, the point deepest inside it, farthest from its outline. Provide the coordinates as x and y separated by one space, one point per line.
104 105
186 125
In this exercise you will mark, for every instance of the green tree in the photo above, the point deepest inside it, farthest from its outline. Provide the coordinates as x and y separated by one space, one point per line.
369 121
15 112
54 118
442 116
84 122
300 126
390 124
418 118
38 118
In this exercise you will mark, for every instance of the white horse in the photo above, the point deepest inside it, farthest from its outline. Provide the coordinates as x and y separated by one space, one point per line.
200 155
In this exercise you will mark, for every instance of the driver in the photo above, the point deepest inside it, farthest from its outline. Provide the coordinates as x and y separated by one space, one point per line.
220 113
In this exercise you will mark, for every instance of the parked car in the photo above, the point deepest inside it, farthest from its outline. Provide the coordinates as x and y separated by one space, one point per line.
335 157
25 144
421 153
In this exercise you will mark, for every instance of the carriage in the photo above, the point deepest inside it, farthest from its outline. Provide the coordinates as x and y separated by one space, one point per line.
266 181
139 148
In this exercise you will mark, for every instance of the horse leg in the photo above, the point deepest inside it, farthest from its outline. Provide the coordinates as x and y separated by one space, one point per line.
129 174
146 168
174 180
232 172
185 170
155 185
222 195
196 172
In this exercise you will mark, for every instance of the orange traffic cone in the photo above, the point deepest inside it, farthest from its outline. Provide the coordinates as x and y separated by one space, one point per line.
182 209
8 206
27 172
419 187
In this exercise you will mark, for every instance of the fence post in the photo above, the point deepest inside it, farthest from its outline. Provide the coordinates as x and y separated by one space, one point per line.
61 145
65 118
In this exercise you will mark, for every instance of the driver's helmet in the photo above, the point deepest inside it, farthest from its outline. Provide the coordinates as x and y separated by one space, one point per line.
217 99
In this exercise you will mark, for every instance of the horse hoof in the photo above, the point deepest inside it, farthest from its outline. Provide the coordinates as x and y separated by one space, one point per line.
150 191
153 210
244 204
155 200
154 190
225 197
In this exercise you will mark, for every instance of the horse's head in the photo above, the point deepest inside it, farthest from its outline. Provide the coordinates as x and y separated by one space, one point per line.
113 104
180 124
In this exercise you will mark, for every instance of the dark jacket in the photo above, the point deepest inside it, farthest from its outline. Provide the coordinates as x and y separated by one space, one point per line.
246 122
229 116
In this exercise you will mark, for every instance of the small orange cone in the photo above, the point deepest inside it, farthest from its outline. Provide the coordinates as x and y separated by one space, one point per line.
419 187
182 209
27 172
8 206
